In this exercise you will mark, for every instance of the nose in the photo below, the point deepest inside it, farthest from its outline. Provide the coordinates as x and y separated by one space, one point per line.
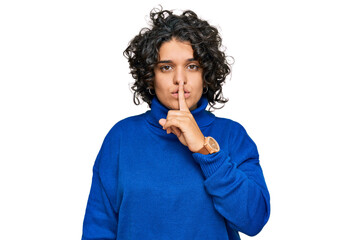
180 75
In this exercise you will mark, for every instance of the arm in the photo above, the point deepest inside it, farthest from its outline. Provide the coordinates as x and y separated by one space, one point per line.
235 181
100 220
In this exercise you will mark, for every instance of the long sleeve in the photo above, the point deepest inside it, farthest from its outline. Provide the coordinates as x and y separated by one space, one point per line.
236 183
100 220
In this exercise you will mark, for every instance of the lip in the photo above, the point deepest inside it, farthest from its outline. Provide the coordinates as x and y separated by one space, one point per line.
176 90
186 94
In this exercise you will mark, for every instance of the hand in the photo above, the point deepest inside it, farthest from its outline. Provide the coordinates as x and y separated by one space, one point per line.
183 125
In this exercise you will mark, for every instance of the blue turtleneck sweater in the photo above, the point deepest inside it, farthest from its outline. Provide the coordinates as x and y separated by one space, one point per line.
147 185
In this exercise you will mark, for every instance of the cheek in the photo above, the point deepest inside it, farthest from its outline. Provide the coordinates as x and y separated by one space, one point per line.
157 81
161 87
199 83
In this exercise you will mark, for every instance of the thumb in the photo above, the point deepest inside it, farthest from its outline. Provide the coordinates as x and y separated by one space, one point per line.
162 121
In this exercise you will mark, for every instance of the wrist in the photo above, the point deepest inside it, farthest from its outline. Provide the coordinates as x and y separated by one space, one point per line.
200 145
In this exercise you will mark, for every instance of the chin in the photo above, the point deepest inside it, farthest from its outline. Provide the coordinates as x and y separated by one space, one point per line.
174 106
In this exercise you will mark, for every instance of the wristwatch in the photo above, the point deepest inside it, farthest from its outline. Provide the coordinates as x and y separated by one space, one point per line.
210 146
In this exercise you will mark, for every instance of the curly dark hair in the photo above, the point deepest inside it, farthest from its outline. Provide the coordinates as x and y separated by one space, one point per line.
143 50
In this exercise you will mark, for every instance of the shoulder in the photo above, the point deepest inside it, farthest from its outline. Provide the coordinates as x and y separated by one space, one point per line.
238 138
113 139
229 125
128 123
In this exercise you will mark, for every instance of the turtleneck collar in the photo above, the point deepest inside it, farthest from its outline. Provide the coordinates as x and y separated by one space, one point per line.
203 118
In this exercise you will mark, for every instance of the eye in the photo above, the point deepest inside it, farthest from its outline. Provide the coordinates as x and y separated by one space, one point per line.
165 68
193 67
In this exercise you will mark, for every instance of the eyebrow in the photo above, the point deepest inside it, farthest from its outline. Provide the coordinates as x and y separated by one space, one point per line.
169 61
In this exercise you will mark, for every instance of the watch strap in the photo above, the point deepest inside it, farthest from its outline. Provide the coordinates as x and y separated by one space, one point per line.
203 150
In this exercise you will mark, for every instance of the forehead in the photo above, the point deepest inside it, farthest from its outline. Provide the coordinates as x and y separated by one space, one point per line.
176 51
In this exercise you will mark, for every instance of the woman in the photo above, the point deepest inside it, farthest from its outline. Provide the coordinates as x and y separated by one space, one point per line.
177 171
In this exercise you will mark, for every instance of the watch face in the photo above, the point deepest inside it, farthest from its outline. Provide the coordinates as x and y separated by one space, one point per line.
213 144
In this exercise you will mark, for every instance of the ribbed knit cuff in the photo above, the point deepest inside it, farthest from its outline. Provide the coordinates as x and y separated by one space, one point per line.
211 162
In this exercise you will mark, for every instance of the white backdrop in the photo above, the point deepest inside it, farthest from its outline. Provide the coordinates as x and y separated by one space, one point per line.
295 87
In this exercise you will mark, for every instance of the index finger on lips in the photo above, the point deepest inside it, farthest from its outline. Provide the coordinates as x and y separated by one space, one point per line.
181 97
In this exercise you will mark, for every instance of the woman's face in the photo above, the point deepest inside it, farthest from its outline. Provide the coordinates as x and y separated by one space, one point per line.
176 63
